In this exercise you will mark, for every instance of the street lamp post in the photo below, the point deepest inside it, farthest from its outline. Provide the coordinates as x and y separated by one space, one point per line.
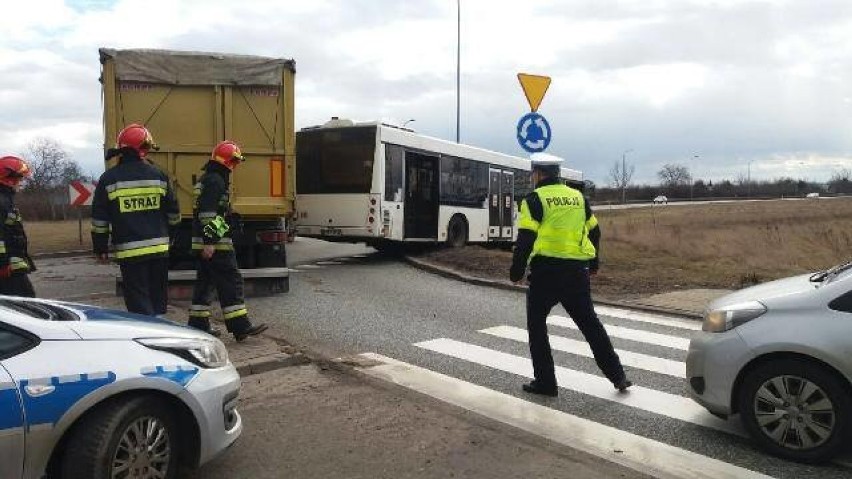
692 182
458 69
624 176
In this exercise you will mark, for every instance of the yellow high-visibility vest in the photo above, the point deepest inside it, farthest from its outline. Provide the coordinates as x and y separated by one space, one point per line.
564 230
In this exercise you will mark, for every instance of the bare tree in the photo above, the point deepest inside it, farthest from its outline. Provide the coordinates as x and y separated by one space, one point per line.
672 175
841 181
621 175
52 170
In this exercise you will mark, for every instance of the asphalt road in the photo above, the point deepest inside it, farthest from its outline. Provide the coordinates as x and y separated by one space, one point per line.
373 304
366 303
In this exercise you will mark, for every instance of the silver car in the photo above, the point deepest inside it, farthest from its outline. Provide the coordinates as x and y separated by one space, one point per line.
89 393
780 355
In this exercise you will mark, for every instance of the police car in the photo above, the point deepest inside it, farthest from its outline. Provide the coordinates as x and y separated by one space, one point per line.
90 393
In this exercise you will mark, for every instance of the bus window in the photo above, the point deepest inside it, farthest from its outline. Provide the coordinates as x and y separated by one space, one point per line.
394 156
335 161
463 182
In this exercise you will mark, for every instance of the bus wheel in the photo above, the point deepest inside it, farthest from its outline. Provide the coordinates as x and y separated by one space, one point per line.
457 232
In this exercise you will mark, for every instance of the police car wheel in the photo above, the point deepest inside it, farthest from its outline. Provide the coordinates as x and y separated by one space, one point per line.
133 438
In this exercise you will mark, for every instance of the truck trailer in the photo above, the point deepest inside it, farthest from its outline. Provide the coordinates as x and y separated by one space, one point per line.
190 101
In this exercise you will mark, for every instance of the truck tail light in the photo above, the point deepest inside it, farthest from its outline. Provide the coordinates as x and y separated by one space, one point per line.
272 237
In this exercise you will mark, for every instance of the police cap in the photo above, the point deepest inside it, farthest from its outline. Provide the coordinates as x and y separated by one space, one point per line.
545 160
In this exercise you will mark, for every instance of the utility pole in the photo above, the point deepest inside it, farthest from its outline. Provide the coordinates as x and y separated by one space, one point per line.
624 176
458 69
749 178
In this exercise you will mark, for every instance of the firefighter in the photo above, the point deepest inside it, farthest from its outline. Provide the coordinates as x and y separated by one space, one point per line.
559 237
212 240
15 262
135 204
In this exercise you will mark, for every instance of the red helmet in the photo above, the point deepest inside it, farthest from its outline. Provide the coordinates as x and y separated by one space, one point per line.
137 137
13 170
228 153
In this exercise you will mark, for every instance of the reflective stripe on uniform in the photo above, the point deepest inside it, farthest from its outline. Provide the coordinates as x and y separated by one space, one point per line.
18 263
235 313
199 311
2 247
122 185
133 249
205 217
100 226
224 244
138 244
147 190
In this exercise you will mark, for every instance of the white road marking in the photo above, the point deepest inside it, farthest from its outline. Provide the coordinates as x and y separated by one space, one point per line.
651 400
581 348
309 266
328 263
627 333
636 452
648 318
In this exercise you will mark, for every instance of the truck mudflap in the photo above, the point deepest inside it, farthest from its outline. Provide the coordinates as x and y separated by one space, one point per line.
258 282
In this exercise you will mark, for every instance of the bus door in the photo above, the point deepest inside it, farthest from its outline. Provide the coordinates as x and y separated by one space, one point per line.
507 193
501 197
421 196
494 223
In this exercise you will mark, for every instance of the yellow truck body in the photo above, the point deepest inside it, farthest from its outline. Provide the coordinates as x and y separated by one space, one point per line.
190 101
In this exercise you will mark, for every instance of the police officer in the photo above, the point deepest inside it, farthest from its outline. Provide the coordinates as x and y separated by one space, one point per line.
135 204
15 263
558 236
212 238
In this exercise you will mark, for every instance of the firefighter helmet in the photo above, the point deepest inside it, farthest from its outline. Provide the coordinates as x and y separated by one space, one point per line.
137 137
228 153
13 170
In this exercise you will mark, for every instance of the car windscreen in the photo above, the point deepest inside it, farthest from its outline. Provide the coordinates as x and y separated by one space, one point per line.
335 160
45 311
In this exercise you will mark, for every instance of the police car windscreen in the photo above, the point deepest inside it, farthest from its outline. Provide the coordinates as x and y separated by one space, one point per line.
335 160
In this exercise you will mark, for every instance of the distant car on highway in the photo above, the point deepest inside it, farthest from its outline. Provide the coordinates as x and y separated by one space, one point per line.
88 392
780 355
661 200
812 195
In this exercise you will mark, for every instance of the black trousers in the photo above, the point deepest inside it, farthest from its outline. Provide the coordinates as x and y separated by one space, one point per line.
571 288
146 285
222 274
17 285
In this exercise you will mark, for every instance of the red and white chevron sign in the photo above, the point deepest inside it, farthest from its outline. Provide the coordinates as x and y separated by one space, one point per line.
81 193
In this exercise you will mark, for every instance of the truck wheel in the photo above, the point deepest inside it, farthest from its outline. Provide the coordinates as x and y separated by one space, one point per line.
136 437
796 409
457 232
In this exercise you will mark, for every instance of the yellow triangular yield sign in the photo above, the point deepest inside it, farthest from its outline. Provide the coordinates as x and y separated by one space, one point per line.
535 86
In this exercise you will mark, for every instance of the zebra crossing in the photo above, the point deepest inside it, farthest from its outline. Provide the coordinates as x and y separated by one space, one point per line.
653 350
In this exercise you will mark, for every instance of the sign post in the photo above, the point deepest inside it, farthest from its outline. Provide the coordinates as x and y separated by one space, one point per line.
80 194
533 130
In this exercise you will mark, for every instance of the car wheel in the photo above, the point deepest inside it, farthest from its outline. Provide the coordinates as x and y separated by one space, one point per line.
133 438
457 232
795 409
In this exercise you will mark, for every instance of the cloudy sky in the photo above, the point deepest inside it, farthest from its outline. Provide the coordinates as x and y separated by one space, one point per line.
729 82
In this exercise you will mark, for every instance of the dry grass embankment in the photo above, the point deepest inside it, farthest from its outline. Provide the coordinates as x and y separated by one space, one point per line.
52 236
730 245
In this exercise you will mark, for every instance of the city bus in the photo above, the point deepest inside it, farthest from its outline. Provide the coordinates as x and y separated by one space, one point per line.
382 185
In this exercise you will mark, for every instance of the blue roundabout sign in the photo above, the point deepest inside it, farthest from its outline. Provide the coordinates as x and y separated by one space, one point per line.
534 133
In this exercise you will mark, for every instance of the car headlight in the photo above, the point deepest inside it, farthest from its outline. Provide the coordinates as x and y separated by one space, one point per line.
730 317
207 353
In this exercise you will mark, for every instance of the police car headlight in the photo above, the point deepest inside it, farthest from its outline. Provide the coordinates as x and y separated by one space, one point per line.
207 353
730 317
